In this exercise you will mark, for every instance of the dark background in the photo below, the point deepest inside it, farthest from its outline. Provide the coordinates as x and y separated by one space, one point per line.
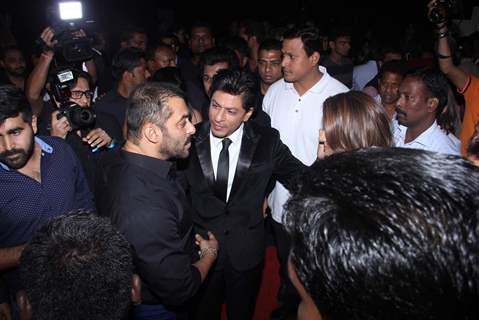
387 19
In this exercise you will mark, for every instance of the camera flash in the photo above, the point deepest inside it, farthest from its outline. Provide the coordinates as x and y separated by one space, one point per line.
70 10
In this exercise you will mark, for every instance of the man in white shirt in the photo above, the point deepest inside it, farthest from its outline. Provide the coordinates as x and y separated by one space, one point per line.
423 97
295 105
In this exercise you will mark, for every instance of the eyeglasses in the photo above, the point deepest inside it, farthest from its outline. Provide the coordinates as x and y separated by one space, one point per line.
77 94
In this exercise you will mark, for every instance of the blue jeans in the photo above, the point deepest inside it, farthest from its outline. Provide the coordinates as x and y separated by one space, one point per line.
152 312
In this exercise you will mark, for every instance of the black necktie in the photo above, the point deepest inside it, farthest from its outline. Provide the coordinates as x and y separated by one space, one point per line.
222 172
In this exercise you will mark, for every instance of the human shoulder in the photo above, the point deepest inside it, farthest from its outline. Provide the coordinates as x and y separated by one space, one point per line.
276 88
446 142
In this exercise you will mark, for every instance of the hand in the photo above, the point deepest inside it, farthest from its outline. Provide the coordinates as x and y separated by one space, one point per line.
60 127
47 37
207 247
79 33
265 206
97 138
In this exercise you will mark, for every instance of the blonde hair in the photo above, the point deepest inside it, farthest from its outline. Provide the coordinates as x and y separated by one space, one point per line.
353 120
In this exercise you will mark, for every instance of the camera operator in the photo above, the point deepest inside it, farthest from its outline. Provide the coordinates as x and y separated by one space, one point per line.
466 84
35 83
86 139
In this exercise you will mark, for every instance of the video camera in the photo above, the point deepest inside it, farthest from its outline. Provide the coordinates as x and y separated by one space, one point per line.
67 20
440 13
78 117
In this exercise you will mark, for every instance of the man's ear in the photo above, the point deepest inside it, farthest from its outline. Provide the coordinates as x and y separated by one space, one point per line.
432 104
152 133
331 45
24 307
135 289
314 58
34 124
248 114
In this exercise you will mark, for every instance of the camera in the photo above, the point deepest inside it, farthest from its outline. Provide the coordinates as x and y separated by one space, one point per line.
67 20
77 116
440 12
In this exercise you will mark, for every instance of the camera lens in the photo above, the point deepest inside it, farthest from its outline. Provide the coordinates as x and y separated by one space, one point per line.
82 117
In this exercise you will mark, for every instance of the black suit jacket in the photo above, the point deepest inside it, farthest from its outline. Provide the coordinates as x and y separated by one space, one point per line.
238 224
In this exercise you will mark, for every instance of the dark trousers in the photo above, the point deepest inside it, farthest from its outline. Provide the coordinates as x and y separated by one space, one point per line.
287 295
238 289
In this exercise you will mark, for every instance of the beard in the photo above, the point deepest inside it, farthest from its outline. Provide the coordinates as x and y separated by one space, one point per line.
175 148
20 156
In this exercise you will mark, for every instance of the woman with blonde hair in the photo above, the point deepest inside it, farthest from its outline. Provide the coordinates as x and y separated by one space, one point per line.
353 120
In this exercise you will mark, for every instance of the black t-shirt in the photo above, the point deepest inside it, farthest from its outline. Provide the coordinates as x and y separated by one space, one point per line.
114 104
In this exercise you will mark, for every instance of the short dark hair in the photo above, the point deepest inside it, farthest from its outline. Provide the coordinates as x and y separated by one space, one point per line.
217 55
436 84
126 59
309 36
339 31
394 66
149 103
150 52
12 103
170 75
270 44
78 266
128 32
77 73
201 24
236 83
4 51
236 43
255 29
388 234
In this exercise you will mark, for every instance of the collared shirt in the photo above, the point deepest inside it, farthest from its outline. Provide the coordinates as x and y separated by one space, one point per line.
216 144
433 139
26 204
364 73
145 201
298 120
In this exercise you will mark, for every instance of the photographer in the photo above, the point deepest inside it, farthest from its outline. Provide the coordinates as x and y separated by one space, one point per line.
466 84
86 139
35 83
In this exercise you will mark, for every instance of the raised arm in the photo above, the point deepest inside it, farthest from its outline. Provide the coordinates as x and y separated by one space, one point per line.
458 77
38 77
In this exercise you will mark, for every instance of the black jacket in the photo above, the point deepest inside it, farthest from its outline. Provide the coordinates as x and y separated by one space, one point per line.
238 224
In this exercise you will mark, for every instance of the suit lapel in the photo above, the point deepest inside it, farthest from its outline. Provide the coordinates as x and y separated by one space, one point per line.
248 146
203 150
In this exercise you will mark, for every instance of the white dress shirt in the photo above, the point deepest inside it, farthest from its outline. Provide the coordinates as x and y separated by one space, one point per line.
216 144
433 139
298 120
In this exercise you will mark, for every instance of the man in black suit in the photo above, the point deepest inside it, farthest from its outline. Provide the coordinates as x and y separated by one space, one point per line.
228 174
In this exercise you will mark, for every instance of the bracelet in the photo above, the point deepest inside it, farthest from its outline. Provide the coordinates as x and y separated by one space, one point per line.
442 35
209 251
112 144
440 56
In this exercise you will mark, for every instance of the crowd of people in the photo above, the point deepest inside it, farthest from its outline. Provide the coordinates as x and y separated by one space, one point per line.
143 184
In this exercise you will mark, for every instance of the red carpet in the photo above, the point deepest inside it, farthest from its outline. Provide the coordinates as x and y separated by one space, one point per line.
269 287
